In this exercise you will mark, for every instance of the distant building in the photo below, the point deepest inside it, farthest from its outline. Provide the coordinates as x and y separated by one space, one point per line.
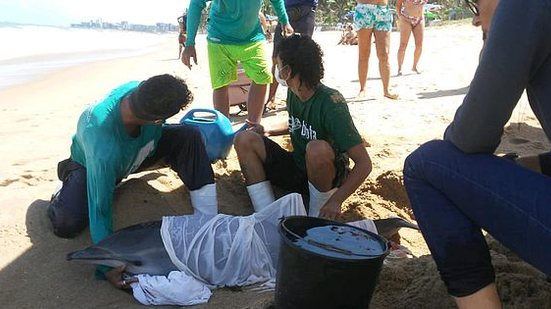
126 26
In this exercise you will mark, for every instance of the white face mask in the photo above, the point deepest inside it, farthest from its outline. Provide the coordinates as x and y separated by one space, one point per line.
280 80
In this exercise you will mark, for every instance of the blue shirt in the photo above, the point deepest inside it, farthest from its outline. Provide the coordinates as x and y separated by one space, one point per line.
517 57
103 146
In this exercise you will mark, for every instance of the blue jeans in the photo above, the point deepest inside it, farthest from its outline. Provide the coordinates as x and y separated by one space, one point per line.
454 195
303 20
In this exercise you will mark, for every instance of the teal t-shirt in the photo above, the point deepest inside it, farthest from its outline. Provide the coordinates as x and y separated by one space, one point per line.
103 146
232 22
324 116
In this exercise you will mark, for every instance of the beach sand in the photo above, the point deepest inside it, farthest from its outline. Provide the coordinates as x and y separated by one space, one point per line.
39 118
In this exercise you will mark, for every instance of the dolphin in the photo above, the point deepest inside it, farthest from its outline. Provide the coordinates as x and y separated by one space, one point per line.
390 226
139 247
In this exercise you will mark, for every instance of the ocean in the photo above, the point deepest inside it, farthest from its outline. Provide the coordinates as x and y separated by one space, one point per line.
29 51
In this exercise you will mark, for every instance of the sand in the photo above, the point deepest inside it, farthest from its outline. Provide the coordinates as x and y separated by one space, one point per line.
40 117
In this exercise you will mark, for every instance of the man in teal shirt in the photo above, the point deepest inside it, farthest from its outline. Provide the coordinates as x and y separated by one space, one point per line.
123 134
234 34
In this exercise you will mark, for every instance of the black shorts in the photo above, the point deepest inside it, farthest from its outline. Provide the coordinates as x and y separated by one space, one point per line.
282 171
302 19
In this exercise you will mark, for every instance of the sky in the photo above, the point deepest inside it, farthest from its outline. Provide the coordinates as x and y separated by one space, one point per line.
65 12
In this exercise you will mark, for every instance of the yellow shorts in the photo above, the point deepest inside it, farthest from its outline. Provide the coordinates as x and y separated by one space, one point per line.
223 60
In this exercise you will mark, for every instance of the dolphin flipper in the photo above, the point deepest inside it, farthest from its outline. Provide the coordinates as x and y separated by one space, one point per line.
390 226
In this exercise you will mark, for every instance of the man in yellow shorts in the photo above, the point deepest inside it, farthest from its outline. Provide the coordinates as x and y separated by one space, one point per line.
234 33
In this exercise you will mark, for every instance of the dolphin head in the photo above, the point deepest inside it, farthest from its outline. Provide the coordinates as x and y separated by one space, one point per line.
138 247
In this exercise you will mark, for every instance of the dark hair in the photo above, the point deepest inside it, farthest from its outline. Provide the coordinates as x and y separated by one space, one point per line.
304 56
160 97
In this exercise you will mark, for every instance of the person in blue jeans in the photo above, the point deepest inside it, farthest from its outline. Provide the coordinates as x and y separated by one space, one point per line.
123 134
457 186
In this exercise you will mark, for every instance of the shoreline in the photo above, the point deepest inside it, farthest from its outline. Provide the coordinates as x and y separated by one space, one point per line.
31 68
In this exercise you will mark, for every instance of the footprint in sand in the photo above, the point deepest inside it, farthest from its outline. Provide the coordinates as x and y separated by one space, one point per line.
518 141
7 182
539 145
27 179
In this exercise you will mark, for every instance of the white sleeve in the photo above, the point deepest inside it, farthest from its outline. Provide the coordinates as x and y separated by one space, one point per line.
176 289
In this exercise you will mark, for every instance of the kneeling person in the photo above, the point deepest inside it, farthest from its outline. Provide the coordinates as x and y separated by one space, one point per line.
322 132
123 134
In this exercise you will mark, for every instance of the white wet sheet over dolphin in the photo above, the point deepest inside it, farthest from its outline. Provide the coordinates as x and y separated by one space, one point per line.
221 250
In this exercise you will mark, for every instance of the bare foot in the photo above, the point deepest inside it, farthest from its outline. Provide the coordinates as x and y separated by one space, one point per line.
416 70
270 104
399 73
391 96
361 94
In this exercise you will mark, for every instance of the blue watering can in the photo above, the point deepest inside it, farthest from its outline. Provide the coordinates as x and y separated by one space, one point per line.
217 131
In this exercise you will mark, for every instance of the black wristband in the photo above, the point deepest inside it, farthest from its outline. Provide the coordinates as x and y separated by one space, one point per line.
545 163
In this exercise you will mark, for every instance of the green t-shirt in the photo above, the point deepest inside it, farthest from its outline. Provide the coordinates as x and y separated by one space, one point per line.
103 146
231 22
324 116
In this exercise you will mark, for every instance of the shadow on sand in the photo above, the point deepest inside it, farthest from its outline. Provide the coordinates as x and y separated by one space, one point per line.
42 278
443 93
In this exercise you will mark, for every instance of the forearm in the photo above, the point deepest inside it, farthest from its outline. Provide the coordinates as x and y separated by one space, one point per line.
499 81
100 199
279 8
193 20
357 176
100 219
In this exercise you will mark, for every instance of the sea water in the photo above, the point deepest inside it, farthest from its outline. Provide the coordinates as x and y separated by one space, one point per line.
30 51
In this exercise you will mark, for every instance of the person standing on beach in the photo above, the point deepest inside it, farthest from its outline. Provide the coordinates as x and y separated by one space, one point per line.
234 33
458 186
123 134
411 17
182 20
323 135
302 17
373 17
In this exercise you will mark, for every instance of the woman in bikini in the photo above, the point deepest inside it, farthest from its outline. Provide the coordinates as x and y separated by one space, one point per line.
373 17
410 13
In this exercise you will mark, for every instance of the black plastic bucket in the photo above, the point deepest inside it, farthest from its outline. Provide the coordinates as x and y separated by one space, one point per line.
326 264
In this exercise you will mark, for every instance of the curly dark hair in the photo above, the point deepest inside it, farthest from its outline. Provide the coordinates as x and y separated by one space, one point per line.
160 97
304 56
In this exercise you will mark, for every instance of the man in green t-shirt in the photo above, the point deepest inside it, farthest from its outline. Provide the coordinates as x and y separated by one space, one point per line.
123 134
322 132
